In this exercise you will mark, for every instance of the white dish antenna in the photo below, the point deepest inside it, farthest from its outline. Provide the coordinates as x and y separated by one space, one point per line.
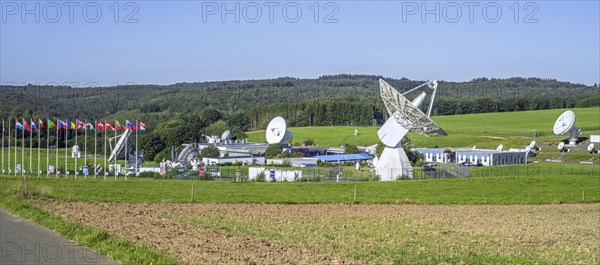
592 149
561 145
532 144
226 135
500 147
277 131
565 123
404 116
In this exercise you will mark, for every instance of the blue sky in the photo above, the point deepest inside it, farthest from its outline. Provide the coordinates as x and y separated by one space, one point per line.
188 41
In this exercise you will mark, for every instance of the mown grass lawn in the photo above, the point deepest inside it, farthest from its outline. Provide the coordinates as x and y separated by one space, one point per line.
539 188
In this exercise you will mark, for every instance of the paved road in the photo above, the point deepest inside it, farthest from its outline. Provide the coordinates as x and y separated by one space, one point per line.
22 242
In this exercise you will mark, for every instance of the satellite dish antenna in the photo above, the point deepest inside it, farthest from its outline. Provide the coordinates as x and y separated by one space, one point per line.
277 131
499 148
562 148
532 144
226 135
404 116
592 149
565 123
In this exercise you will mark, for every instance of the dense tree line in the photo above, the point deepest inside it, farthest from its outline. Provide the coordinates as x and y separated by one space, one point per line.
236 96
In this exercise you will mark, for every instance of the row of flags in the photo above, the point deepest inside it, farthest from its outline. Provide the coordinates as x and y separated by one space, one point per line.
79 125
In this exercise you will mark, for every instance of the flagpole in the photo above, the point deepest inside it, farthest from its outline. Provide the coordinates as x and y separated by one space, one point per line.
78 152
95 144
3 147
126 155
38 144
31 149
16 141
9 135
67 148
23 151
136 146
104 127
116 155
85 147
47 149
56 163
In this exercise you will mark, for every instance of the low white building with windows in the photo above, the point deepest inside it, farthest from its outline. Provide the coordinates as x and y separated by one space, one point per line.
475 156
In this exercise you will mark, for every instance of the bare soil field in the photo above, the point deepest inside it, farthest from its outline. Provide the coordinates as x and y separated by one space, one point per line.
334 234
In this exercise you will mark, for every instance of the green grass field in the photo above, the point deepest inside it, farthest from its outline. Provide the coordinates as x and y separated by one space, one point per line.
488 130
542 187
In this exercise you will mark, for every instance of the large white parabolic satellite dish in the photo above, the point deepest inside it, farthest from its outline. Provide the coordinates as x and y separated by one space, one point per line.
404 117
565 123
277 131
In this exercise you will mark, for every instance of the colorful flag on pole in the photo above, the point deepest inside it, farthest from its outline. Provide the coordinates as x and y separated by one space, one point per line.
118 126
18 125
62 124
99 125
89 125
33 126
80 124
26 125
73 127
141 126
42 125
130 125
51 124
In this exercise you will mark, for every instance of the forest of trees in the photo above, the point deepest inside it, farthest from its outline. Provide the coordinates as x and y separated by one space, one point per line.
237 96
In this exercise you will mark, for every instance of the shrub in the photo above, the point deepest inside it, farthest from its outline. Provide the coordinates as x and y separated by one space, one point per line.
260 177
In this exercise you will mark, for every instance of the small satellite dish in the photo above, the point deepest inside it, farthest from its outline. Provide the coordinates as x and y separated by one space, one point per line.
277 131
592 149
499 148
565 123
226 135
561 145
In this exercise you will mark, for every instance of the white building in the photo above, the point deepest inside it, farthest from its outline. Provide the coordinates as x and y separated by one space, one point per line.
475 156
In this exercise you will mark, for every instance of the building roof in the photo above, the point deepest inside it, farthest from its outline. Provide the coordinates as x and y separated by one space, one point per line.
343 158
430 151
